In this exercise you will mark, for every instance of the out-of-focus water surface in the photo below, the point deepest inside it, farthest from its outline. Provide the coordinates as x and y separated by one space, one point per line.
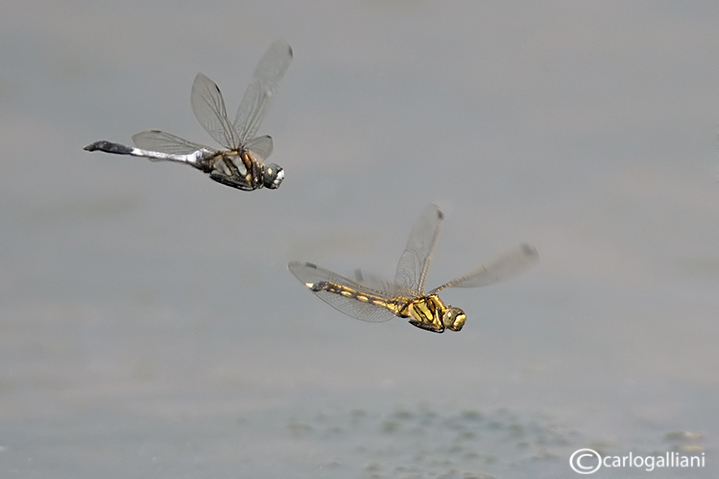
149 326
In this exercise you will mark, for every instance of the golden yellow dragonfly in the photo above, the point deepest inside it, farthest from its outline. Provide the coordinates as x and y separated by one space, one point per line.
241 163
371 299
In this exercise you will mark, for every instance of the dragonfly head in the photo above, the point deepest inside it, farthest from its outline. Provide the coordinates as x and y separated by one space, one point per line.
273 176
454 319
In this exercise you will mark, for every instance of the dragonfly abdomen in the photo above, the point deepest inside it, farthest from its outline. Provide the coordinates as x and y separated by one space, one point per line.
393 304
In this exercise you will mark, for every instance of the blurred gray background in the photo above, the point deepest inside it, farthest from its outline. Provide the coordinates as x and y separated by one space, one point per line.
149 326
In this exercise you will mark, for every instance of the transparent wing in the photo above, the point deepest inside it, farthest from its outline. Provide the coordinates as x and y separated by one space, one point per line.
156 140
261 147
372 280
509 264
209 109
414 262
378 283
311 274
259 93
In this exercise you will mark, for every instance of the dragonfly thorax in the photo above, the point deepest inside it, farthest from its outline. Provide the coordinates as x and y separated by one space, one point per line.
229 163
430 313
244 170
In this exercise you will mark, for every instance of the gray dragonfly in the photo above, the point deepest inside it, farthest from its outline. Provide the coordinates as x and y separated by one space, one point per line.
241 163
371 299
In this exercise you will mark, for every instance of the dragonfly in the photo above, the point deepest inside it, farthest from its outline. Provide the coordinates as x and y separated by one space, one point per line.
372 299
241 163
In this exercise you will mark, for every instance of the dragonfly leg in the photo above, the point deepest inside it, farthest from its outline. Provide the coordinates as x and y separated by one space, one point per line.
427 326
233 181
231 167
423 312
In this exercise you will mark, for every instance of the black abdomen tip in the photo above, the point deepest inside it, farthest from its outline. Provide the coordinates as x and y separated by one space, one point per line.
109 147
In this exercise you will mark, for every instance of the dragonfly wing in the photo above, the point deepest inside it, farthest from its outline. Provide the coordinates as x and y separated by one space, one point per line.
505 266
156 140
259 93
378 283
312 275
261 147
209 109
414 262
371 280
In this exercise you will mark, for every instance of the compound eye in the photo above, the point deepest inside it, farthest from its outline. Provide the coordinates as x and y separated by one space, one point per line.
458 322
454 319
273 176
